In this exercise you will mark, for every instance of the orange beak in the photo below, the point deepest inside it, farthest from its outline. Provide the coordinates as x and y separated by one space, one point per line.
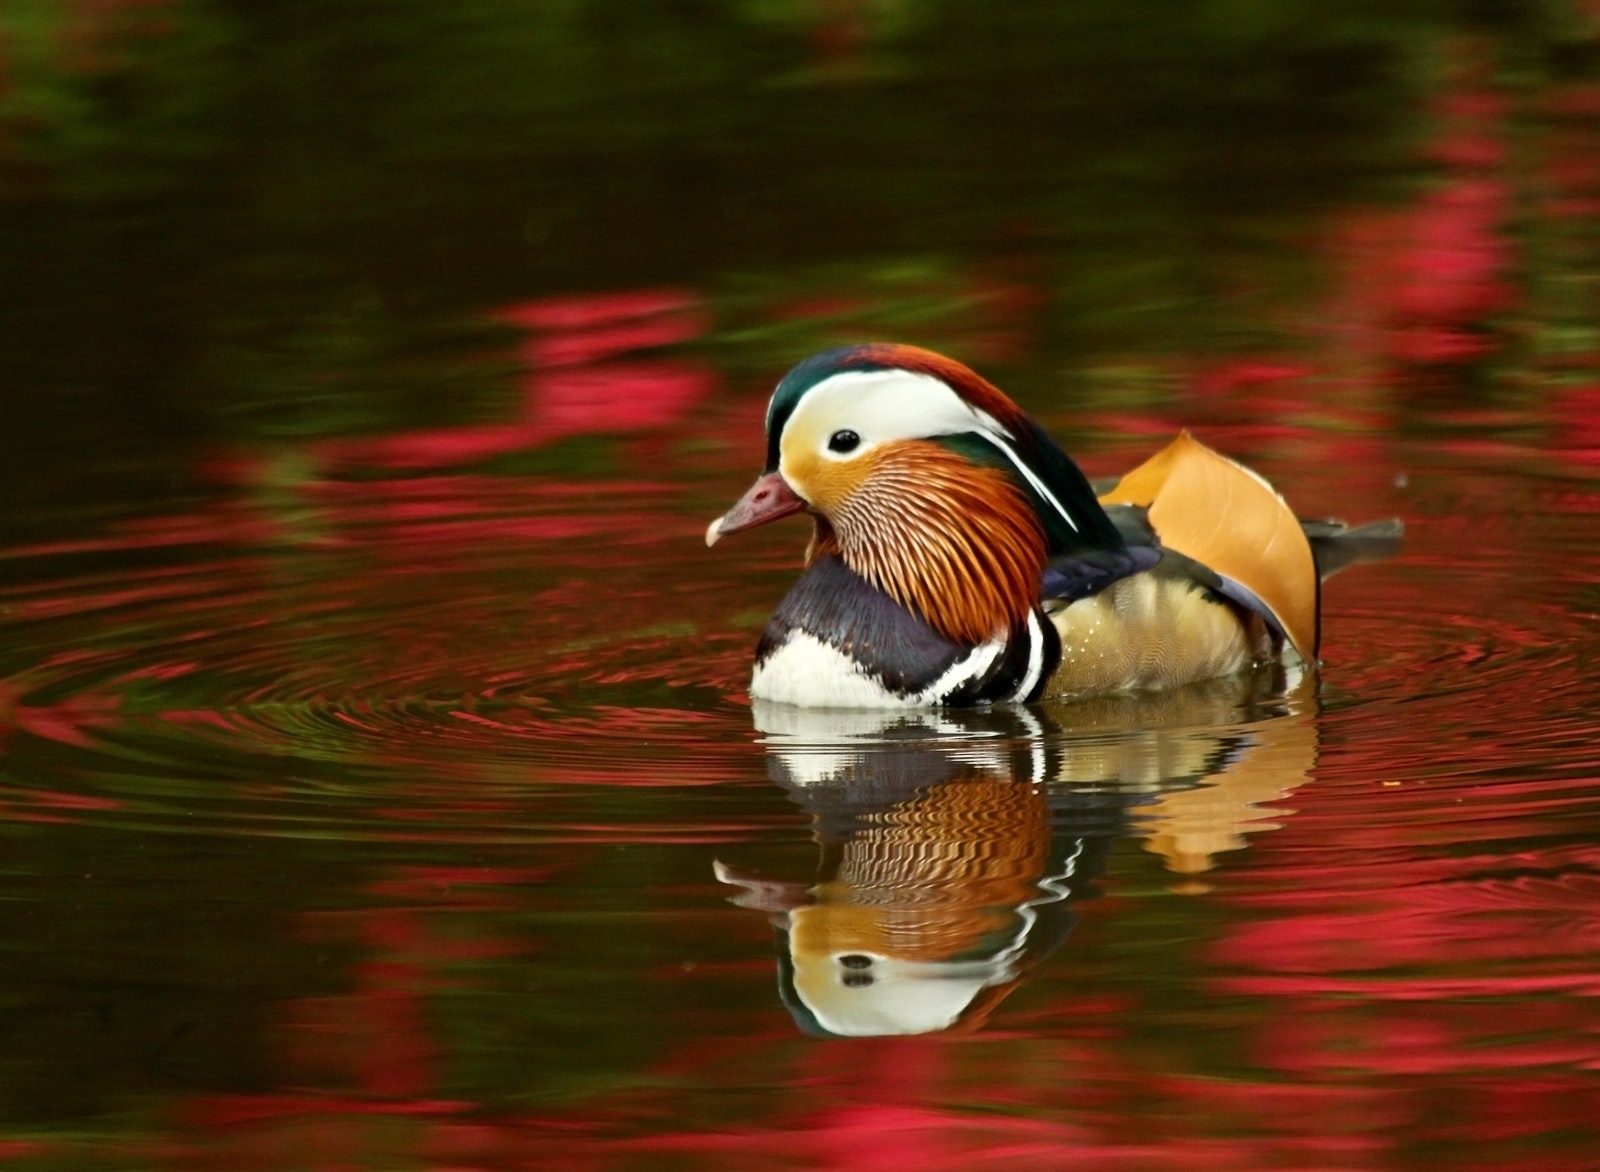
768 498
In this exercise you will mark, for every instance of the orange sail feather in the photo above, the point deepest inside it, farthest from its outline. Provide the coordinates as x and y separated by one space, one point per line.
1225 517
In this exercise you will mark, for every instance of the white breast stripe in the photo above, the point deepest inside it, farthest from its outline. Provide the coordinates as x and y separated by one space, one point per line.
968 667
1035 638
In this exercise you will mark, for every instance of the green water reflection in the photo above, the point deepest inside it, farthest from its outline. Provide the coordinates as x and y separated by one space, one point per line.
248 221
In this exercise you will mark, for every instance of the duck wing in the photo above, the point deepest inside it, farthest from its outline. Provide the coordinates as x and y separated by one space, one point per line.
1228 520
1078 575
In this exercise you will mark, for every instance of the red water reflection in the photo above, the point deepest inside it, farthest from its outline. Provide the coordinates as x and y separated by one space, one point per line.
576 381
72 721
1402 962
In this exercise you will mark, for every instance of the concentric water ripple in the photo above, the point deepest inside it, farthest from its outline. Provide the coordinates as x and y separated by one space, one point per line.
517 637
436 646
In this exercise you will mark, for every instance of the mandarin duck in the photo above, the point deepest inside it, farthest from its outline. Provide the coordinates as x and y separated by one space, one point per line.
959 556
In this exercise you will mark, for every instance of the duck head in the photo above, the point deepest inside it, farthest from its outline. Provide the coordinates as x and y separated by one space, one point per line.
926 480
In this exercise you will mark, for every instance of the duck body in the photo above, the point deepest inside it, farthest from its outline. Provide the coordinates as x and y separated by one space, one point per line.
959 556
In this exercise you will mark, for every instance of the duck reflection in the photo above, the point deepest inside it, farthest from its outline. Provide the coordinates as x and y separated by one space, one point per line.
954 845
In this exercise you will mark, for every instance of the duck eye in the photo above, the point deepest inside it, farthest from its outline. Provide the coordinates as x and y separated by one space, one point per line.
843 441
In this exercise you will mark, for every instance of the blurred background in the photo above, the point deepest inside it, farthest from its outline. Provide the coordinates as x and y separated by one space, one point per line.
262 227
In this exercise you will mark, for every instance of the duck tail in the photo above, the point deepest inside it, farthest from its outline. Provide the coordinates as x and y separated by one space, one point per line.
1337 546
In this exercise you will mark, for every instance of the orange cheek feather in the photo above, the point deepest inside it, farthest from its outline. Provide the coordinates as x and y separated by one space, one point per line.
825 484
954 542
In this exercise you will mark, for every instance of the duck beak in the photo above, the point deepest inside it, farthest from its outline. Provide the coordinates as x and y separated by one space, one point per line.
768 498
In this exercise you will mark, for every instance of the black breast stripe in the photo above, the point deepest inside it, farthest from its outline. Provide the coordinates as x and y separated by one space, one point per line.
842 609
835 605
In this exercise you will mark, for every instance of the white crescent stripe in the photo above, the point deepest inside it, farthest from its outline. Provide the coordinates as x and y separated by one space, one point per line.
887 405
1032 478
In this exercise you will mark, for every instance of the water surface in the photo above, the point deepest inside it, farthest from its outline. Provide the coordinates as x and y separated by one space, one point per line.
379 785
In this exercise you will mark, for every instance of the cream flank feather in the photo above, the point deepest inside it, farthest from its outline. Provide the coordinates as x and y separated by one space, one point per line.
1149 632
